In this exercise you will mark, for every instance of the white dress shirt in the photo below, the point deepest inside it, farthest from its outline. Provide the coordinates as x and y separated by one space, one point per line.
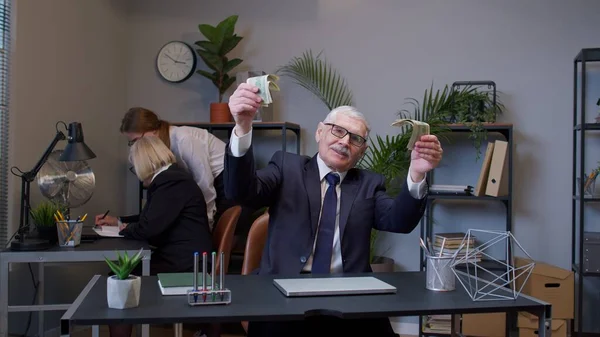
240 144
202 154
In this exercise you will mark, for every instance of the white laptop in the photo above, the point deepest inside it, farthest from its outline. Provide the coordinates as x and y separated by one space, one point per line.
333 286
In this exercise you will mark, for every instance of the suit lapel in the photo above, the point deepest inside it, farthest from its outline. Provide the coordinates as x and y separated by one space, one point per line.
348 194
312 184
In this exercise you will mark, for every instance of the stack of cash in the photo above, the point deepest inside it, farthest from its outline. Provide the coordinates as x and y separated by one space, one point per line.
418 129
265 84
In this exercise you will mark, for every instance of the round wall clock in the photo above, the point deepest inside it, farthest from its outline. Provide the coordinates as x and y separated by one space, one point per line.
176 61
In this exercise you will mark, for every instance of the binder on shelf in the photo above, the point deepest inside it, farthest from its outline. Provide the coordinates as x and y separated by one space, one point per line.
485 171
497 182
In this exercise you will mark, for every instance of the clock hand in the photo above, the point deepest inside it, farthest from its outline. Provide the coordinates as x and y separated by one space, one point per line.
169 56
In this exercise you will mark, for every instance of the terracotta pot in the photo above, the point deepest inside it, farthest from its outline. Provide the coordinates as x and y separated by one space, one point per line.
219 113
382 264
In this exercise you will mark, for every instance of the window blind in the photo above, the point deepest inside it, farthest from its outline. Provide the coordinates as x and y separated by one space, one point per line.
5 46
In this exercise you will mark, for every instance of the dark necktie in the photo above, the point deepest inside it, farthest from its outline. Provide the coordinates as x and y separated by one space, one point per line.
322 257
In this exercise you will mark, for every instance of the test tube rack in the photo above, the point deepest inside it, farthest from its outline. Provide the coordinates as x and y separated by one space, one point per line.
205 294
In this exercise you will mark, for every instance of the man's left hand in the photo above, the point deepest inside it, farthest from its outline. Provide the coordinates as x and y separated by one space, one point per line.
425 156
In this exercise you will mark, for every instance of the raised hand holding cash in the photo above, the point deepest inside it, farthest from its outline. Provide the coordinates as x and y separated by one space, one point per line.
418 129
265 84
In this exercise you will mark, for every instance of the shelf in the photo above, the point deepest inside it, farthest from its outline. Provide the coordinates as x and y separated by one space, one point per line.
575 269
466 197
255 125
488 126
588 55
587 126
587 199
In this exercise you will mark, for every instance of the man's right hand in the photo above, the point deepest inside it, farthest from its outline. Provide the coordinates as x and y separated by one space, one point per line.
243 104
107 221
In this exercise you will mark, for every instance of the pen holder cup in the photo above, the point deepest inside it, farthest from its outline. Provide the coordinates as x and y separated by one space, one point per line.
438 273
69 232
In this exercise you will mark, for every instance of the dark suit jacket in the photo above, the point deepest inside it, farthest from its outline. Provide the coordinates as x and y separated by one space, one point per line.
173 220
290 186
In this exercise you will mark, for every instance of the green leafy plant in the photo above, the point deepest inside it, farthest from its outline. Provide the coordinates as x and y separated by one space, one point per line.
467 106
124 265
43 214
318 76
221 39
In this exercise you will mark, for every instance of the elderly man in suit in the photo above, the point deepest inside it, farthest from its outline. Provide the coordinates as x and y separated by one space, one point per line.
322 208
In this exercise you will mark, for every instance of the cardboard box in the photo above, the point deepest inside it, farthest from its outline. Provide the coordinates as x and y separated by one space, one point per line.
550 284
528 326
484 325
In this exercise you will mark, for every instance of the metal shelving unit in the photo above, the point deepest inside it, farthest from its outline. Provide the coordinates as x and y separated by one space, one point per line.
427 231
580 128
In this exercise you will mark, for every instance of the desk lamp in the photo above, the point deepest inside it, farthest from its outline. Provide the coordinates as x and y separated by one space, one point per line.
75 150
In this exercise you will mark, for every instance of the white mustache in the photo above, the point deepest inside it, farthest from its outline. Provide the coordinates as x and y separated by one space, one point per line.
340 149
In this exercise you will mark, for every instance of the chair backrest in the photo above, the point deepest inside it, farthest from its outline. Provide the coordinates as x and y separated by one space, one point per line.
223 235
257 237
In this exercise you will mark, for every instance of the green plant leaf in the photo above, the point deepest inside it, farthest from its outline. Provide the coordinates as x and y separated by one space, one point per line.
229 44
227 26
229 65
210 76
320 78
113 267
213 34
213 61
227 82
208 46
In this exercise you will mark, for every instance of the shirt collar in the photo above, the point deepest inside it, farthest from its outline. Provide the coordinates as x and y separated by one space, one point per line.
159 171
324 169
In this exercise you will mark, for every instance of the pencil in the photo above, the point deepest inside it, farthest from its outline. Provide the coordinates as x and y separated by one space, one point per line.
105 214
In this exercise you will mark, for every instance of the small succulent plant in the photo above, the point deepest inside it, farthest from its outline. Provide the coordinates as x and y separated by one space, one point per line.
124 265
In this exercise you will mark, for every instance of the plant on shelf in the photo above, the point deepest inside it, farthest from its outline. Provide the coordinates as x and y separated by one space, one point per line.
123 288
467 106
318 76
43 217
220 40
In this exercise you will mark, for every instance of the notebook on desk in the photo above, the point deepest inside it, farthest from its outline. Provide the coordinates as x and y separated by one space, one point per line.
333 286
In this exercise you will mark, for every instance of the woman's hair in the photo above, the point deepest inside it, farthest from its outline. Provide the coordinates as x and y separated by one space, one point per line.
149 154
141 120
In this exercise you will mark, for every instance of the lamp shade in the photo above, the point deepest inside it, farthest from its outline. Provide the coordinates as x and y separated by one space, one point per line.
76 149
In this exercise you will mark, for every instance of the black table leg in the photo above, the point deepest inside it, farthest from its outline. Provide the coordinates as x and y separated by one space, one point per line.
65 320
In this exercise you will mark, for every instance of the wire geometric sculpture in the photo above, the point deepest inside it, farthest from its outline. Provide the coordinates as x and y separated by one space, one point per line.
502 285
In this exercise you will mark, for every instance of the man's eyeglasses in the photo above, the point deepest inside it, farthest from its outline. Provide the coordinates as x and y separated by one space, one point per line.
341 132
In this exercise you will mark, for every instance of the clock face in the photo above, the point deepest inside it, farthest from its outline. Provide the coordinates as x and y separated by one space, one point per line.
176 61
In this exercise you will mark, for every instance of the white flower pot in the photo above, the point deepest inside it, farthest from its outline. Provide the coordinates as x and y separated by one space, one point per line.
123 294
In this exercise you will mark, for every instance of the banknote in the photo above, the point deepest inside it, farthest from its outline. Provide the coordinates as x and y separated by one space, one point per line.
265 84
418 129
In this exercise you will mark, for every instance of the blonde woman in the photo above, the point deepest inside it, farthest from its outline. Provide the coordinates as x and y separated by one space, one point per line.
174 218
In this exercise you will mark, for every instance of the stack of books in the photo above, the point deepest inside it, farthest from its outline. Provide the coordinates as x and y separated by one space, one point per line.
449 244
441 324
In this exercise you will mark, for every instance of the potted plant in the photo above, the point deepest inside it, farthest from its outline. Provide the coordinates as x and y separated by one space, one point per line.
43 217
220 40
123 288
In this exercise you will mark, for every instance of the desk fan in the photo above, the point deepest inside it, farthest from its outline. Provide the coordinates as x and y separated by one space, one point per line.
70 183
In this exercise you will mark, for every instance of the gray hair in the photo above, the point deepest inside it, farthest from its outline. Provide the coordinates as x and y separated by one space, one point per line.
348 111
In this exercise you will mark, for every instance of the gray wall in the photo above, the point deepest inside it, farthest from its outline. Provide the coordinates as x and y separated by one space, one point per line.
68 64
387 50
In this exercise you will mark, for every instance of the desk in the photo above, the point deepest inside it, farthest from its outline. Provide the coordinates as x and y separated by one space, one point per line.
268 303
86 252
